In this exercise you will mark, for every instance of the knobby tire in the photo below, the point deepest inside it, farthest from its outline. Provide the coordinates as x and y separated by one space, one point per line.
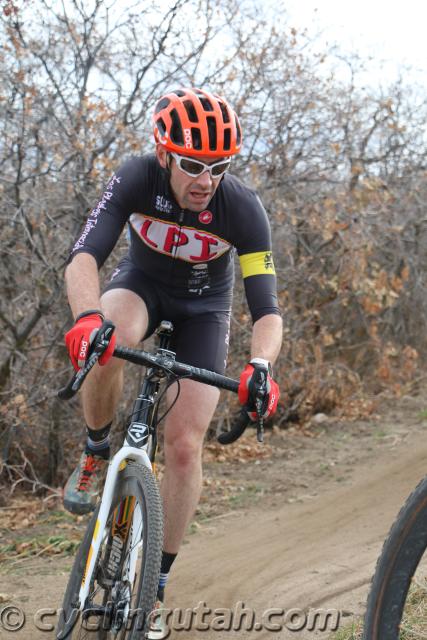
139 482
396 580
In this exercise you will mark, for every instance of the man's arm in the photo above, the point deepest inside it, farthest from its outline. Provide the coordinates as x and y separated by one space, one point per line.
102 230
82 281
267 337
266 343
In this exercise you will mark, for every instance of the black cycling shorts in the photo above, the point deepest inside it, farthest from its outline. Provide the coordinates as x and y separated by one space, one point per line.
201 325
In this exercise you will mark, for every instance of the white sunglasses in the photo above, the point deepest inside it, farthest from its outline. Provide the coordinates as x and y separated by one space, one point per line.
195 168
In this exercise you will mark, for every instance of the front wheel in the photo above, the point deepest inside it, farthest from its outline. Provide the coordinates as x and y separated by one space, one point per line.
397 603
126 574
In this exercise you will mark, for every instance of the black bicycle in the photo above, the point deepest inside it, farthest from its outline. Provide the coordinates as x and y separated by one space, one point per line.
397 602
113 583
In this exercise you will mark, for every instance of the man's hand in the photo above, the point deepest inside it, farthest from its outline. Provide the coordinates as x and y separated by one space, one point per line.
80 338
255 377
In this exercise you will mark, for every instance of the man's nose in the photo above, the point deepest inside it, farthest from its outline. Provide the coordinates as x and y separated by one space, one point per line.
205 179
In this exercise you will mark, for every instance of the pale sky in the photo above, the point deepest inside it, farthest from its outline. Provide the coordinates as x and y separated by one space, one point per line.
393 30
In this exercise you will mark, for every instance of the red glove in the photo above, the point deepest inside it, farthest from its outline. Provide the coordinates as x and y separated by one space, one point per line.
80 338
256 376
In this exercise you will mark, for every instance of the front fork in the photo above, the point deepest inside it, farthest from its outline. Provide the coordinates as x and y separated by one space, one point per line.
116 464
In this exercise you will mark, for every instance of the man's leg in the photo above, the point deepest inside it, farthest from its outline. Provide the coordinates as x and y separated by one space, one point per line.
101 394
102 389
202 341
185 428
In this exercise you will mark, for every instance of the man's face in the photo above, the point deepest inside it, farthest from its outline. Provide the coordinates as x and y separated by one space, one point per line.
193 193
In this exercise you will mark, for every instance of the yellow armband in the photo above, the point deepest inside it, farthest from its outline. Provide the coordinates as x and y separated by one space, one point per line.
255 264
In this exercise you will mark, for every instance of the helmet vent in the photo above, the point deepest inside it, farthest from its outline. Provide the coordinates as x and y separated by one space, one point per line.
162 104
238 132
191 111
224 111
206 104
211 122
161 126
196 137
227 139
176 129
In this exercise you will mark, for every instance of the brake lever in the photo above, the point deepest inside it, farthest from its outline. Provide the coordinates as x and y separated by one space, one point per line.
103 337
261 393
76 381
260 421
99 345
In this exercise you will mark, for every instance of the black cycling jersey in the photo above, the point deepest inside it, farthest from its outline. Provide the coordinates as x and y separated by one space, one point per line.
186 253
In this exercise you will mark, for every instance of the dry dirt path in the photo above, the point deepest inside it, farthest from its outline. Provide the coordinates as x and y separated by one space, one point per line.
308 547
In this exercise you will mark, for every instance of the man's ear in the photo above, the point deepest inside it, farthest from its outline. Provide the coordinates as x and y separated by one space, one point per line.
162 155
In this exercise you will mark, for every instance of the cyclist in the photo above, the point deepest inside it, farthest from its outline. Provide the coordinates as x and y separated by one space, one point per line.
185 216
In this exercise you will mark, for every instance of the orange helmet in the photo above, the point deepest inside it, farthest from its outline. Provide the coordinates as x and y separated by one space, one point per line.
194 122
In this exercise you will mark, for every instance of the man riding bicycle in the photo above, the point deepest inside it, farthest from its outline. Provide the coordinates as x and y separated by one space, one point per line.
185 215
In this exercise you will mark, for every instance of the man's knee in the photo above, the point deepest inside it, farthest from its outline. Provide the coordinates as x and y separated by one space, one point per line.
128 334
129 314
183 453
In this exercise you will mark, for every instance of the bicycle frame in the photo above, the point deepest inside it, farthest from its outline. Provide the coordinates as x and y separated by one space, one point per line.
139 446
141 436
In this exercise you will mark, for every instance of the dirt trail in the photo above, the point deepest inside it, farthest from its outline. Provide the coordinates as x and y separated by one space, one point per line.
315 555
305 556
306 549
